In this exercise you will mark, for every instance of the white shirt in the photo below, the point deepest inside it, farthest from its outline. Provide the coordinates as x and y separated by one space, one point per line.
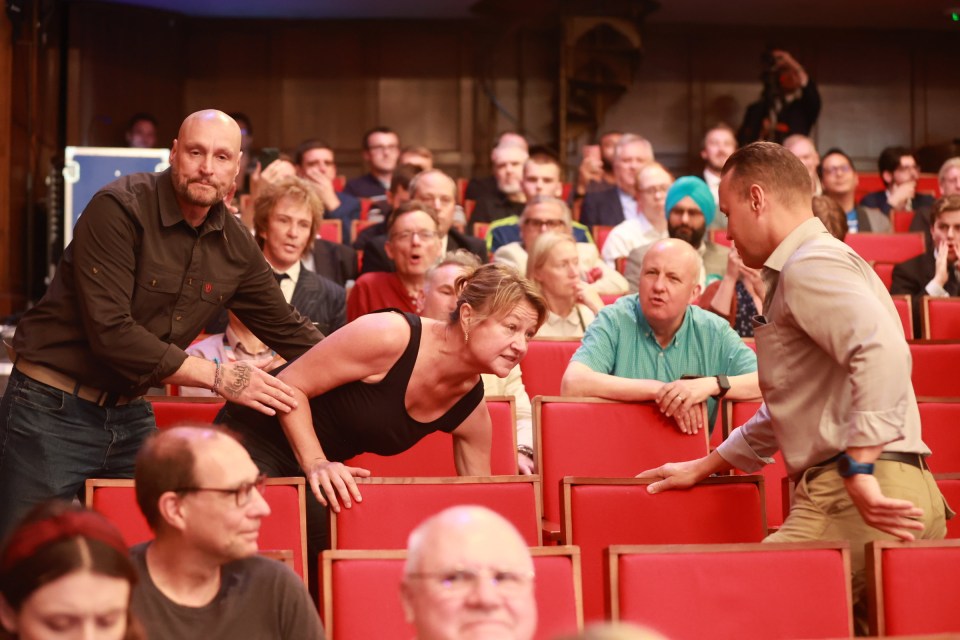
627 236
288 284
629 205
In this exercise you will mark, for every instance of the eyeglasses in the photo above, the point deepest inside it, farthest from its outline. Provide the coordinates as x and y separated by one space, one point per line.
460 582
544 224
839 170
407 236
243 494
655 189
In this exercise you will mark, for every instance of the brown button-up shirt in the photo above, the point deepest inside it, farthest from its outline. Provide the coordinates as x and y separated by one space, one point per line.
137 284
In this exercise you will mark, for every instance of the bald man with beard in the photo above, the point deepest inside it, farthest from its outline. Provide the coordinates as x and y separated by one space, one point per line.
154 257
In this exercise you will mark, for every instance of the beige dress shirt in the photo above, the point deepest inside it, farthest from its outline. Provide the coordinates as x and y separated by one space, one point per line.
834 365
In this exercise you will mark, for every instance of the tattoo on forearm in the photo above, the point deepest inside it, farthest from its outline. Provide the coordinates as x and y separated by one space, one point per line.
240 381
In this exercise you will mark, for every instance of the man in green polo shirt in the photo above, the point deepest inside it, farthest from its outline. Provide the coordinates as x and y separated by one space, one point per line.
656 345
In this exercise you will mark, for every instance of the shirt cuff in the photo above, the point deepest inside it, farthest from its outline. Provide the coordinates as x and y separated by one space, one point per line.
873 428
935 290
738 453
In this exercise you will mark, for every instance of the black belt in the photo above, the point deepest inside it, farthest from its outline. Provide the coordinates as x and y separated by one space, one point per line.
912 459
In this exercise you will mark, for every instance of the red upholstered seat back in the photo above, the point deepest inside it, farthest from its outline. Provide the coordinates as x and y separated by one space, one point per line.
174 411
600 513
941 318
433 455
886 247
940 424
773 474
393 507
914 587
778 591
934 368
905 311
544 364
355 579
885 271
283 529
605 440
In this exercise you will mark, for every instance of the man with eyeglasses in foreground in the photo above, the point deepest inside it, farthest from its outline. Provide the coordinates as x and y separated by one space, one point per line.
545 213
469 574
201 576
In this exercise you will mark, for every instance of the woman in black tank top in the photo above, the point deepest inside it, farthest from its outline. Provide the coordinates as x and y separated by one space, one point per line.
386 380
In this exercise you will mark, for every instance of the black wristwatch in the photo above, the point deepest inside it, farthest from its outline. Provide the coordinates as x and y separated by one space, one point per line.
724 383
848 467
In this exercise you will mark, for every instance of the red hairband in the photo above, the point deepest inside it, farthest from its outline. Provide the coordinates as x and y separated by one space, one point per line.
30 537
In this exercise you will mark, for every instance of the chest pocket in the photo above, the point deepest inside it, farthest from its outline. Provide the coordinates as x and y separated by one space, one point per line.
216 293
772 358
153 280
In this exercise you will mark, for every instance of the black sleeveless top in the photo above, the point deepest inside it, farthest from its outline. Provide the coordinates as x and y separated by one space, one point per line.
359 417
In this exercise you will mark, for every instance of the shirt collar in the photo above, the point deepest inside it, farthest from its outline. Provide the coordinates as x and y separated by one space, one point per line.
774 265
293 272
170 213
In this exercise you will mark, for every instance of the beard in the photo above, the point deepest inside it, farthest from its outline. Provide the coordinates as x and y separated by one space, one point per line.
197 192
688 234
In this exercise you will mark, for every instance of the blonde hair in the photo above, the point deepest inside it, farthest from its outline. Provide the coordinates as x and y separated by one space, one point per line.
540 252
296 190
493 290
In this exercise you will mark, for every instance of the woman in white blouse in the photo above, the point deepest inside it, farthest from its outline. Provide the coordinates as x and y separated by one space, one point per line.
554 267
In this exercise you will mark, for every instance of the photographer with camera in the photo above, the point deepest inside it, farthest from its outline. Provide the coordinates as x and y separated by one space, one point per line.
790 102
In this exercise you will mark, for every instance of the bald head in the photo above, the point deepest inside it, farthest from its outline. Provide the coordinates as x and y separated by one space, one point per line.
210 118
204 162
678 253
468 569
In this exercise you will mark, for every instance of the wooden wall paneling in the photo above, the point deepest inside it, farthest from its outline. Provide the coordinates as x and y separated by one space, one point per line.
9 238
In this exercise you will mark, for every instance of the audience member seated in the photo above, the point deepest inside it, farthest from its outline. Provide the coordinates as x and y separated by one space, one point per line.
719 143
554 266
413 244
542 214
644 347
612 206
790 102
316 163
507 200
285 219
541 177
933 273
201 576
840 180
596 168
831 215
436 188
65 573
653 182
468 570
440 301
419 157
802 147
899 172
481 188
690 210
249 161
737 297
368 241
385 381
949 180
141 131
237 342
381 150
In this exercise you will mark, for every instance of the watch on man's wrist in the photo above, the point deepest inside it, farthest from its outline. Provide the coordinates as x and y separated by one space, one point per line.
724 383
848 467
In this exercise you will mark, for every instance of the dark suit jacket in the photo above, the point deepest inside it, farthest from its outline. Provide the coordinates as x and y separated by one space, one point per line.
337 262
375 255
602 207
366 186
321 300
911 277
495 206
878 200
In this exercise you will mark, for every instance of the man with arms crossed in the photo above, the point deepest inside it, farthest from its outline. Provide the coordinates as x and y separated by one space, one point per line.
154 257
834 371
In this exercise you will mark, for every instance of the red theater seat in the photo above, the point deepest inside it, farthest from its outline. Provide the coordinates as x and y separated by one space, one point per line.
285 529
886 247
737 413
905 311
433 455
941 318
940 423
934 368
602 512
393 507
782 591
913 587
544 364
600 233
171 411
597 438
352 580
331 230
949 484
